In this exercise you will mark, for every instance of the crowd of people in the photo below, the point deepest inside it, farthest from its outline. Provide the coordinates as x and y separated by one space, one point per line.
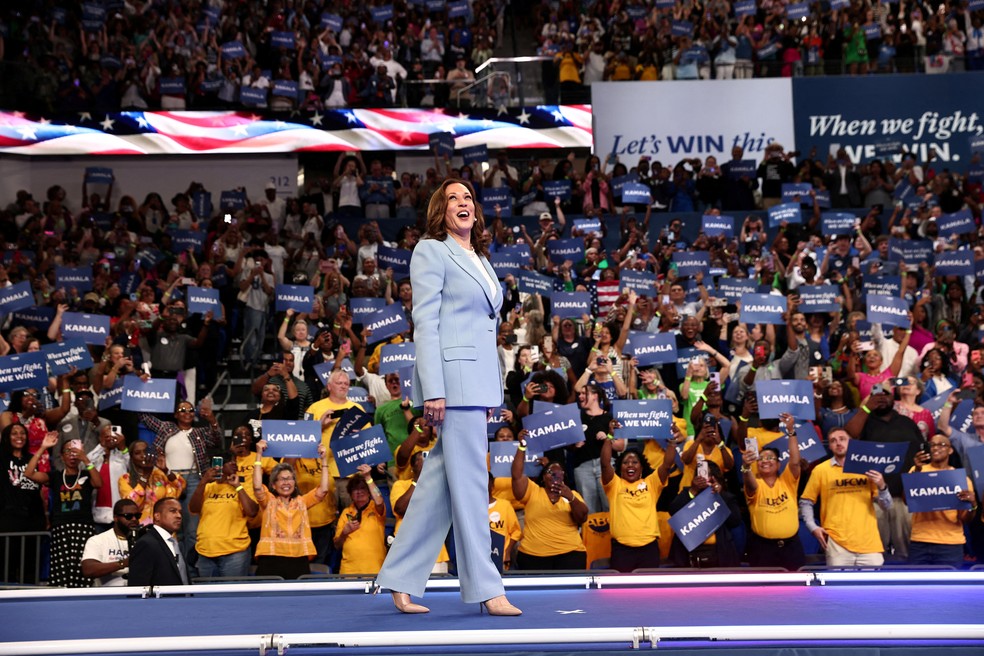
738 40
600 499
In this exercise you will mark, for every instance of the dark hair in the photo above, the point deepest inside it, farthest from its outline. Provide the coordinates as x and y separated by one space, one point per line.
562 393
354 482
773 450
121 504
646 467
437 207
5 439
160 503
279 469
944 367
546 468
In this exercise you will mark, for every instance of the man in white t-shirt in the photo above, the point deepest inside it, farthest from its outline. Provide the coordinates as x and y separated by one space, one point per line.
277 207
106 557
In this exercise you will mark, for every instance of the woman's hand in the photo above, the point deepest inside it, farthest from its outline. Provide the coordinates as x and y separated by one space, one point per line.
261 447
434 412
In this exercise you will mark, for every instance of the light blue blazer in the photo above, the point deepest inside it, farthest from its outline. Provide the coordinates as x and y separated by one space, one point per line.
455 318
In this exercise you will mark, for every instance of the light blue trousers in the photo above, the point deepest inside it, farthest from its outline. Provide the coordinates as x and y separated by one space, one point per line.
453 488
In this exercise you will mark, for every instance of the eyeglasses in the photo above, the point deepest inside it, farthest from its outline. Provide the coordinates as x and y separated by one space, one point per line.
129 515
940 445
946 329
186 409
768 459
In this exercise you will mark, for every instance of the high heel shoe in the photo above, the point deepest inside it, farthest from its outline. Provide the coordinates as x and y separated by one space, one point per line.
500 606
403 604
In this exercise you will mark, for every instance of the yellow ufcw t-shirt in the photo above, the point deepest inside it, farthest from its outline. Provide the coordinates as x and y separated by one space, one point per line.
308 472
503 520
397 490
222 528
550 529
632 509
774 511
846 509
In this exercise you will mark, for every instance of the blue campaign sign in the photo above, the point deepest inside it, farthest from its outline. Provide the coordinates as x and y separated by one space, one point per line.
743 168
955 263
636 193
698 520
718 226
154 395
362 308
386 323
840 4
788 212
381 14
960 418
98 175
112 397
331 21
768 50
975 461
441 143
618 183
284 88
684 357
653 348
864 330
501 457
182 240
884 457
201 203
888 310
495 421
734 289
18 296
253 96
23 371
521 251
838 223
232 199
406 382
475 154
366 447
553 429
912 251
173 86
505 264
931 491
810 447
907 108
745 8
560 250
690 263
34 317
291 439
532 282
18 257
63 356
778 396
501 196
976 143
797 11
882 285
202 299
681 28
78 277
643 419
393 357
935 404
91 328
397 259
458 8
572 305
957 223
590 226
822 198
819 298
557 189
797 192
762 308
282 40
360 395
642 282
324 369
299 298
872 31
233 50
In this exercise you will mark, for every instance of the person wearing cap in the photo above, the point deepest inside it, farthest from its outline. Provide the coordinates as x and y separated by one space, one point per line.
878 421
848 529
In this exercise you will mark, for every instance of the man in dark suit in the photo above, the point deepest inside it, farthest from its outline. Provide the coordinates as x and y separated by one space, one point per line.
156 558
843 182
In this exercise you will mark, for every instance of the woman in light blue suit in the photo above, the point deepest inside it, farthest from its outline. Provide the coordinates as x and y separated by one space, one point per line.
456 299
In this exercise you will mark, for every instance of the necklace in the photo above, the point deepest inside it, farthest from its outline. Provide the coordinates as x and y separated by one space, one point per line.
65 484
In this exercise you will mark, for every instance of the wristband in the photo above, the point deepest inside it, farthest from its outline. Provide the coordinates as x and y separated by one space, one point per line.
610 436
418 428
239 488
745 470
867 411
286 319
525 400
413 483
90 467
754 369
947 405
521 448
745 419
258 463
124 450
67 390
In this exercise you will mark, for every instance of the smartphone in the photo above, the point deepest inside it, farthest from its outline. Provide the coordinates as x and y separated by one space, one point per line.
751 444
702 469
227 218
541 388
924 447
866 346
511 339
534 353
759 351
716 378
75 444
967 394
175 267
117 430
600 360
217 462
548 344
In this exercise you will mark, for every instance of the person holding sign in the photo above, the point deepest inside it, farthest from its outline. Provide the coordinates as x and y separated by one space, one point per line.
873 363
632 495
938 536
718 550
771 496
848 529
285 545
554 514
361 533
456 300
